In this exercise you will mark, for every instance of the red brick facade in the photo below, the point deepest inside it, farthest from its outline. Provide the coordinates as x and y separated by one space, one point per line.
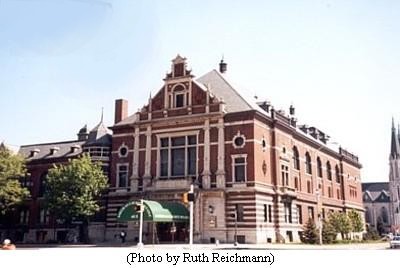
273 196
252 167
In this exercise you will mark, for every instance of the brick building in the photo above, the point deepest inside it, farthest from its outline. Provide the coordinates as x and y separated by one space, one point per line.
244 158
31 223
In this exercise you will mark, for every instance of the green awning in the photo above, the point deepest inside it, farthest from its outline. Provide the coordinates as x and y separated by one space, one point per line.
154 211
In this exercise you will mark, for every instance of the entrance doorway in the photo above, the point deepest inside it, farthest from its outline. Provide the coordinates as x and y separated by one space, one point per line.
172 232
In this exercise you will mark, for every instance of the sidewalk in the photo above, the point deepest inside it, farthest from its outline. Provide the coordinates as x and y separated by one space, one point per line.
358 246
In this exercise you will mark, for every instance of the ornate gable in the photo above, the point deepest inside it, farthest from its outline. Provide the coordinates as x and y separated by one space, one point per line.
383 197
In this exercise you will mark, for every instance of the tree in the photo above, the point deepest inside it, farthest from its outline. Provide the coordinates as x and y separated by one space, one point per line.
380 226
356 221
72 191
328 232
310 233
340 223
371 234
12 168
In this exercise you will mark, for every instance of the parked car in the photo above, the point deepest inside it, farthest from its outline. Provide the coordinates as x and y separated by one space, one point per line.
395 242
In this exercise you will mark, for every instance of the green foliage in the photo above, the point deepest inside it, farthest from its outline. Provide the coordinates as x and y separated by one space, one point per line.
328 232
72 189
12 168
341 223
355 221
310 233
371 234
380 226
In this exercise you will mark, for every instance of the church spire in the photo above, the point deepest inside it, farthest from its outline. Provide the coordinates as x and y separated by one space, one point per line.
394 146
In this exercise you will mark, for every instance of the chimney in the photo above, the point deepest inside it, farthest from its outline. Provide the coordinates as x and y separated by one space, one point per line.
265 105
291 110
121 110
222 66
305 129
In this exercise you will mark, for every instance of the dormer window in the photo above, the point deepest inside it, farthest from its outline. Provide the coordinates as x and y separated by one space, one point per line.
179 93
34 152
75 148
54 150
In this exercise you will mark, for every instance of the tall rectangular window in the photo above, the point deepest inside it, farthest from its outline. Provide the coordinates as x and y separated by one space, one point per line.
299 214
285 175
308 164
178 156
43 216
24 216
164 162
309 187
319 167
239 169
42 184
270 213
178 161
288 212
179 100
123 175
265 213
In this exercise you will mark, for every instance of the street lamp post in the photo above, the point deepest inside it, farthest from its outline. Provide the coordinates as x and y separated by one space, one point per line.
140 244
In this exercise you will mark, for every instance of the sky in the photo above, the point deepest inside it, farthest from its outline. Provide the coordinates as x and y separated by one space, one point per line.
337 62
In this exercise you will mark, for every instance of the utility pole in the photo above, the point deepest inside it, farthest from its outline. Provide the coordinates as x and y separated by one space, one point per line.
191 192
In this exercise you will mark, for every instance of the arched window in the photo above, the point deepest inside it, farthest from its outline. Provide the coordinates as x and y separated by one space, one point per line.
179 96
319 167
337 174
308 163
384 215
296 160
328 171
367 215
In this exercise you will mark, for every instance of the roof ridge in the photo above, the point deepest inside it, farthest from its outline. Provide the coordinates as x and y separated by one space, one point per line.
49 143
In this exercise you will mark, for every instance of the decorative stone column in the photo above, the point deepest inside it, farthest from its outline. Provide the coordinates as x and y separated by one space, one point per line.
221 155
206 181
135 163
147 162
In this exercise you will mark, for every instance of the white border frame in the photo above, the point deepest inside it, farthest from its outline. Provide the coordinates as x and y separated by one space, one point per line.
233 157
238 135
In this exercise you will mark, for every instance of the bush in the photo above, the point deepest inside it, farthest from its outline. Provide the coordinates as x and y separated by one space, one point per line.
371 234
328 233
310 233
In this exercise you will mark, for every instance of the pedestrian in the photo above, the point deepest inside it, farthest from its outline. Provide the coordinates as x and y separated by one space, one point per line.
7 245
122 235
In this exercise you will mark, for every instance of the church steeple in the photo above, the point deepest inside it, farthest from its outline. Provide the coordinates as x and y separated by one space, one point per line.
394 146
